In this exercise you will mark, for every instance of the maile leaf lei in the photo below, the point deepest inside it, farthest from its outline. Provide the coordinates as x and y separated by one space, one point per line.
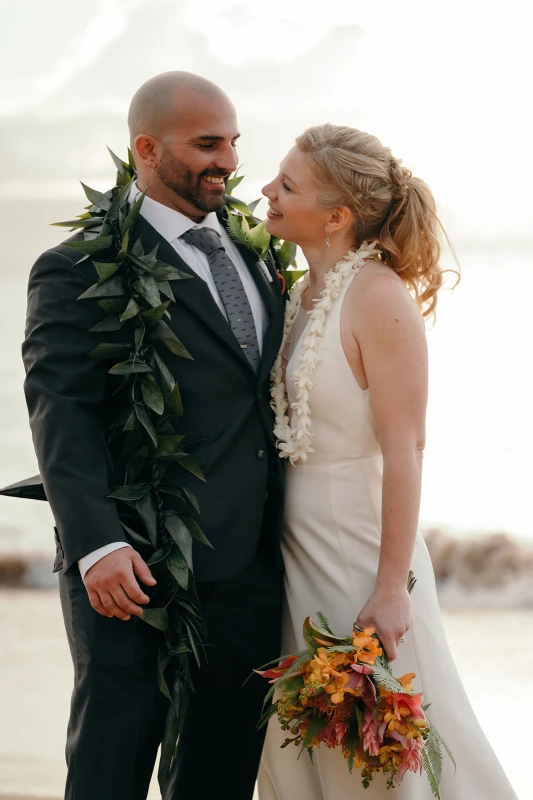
134 290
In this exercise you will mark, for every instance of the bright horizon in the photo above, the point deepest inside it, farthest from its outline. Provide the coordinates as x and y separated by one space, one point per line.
444 86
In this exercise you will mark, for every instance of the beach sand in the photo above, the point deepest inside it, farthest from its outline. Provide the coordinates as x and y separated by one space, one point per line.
493 650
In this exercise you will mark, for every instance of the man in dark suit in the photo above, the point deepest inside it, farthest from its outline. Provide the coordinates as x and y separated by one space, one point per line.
229 315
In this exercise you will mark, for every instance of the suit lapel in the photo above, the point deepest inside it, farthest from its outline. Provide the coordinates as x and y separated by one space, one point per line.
192 292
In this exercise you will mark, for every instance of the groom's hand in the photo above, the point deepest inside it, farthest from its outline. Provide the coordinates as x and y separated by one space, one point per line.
112 586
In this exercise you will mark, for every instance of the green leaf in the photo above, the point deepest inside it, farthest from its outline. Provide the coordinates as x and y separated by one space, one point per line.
132 492
113 287
235 230
168 443
164 288
162 663
146 509
111 323
109 350
151 394
253 205
105 270
147 287
96 198
193 527
384 677
165 379
287 254
89 222
174 406
131 310
157 617
144 418
160 554
192 499
293 275
181 535
188 463
315 726
260 238
162 334
138 249
135 537
113 306
153 315
133 213
178 568
130 367
233 183
92 246
120 165
169 744
164 272
237 205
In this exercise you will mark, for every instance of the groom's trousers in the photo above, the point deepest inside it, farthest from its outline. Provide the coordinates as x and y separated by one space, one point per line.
118 713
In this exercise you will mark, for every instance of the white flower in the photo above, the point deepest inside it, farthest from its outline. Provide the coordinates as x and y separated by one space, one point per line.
294 443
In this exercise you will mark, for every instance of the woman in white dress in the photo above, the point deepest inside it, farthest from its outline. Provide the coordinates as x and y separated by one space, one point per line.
354 366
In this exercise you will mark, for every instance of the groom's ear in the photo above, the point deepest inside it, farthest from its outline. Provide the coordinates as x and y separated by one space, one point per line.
339 219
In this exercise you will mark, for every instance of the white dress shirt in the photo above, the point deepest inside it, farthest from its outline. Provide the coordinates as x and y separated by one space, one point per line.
170 224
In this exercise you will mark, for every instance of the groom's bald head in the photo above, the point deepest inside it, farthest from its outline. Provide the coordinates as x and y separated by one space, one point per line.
170 98
183 132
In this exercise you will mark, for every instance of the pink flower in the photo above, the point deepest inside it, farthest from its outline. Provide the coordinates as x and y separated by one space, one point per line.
361 684
372 733
411 759
333 733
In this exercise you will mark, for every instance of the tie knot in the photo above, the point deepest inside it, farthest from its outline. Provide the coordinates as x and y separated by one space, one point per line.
205 239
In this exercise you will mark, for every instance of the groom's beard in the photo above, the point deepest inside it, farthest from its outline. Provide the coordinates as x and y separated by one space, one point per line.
176 176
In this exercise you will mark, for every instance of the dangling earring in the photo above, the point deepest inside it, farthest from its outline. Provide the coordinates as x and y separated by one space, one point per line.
328 242
152 165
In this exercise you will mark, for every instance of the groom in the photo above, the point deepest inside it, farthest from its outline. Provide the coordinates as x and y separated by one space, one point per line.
229 316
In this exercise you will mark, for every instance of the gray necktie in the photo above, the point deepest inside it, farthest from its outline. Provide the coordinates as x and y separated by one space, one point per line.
230 288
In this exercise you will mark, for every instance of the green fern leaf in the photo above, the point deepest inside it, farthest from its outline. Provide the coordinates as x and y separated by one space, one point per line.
236 231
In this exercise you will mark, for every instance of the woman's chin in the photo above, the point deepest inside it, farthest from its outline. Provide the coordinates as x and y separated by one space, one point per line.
273 227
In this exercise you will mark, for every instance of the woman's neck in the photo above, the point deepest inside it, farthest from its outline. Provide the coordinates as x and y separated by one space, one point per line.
320 262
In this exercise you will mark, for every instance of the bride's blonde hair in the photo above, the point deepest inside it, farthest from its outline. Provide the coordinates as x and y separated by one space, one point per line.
388 204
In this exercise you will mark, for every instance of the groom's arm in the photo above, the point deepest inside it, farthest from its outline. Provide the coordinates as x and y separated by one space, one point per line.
65 394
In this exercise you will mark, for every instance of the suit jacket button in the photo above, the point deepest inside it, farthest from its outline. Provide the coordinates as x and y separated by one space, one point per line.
262 454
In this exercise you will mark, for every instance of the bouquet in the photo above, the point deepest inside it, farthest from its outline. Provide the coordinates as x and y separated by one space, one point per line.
340 692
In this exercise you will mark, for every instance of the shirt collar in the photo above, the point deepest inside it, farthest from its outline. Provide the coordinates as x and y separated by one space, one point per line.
168 222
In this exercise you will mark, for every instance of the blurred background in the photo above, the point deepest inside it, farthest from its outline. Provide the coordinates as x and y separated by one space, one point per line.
447 86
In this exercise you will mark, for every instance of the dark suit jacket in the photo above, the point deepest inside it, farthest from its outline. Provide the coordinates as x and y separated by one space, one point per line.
227 419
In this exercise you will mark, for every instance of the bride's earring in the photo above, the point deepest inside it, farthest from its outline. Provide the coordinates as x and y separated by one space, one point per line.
328 241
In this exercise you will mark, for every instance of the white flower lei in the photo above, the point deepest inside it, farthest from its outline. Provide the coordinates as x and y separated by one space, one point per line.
294 443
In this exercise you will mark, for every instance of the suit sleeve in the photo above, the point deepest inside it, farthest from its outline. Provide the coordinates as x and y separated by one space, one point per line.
65 393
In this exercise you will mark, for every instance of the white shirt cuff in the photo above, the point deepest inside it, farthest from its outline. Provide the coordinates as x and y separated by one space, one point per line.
90 559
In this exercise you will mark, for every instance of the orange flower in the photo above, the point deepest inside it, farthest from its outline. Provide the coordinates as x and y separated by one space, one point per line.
367 646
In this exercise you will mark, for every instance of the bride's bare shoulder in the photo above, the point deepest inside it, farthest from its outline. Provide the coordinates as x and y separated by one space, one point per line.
379 292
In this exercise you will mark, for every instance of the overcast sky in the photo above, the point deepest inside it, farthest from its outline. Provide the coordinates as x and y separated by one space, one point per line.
446 85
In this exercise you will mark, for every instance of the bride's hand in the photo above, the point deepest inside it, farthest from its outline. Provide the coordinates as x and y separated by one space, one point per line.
389 612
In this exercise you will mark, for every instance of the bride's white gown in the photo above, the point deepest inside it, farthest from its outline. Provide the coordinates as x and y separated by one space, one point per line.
331 549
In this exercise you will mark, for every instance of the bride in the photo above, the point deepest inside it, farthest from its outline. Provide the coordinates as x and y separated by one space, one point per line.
354 367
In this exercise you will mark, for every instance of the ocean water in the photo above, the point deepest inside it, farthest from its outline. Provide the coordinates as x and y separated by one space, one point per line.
479 434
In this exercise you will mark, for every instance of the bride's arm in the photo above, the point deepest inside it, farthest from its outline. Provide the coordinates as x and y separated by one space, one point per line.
390 333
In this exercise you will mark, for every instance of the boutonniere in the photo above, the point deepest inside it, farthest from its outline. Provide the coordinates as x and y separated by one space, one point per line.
250 232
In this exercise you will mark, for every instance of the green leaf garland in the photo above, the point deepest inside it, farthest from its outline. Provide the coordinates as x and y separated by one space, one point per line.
160 518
